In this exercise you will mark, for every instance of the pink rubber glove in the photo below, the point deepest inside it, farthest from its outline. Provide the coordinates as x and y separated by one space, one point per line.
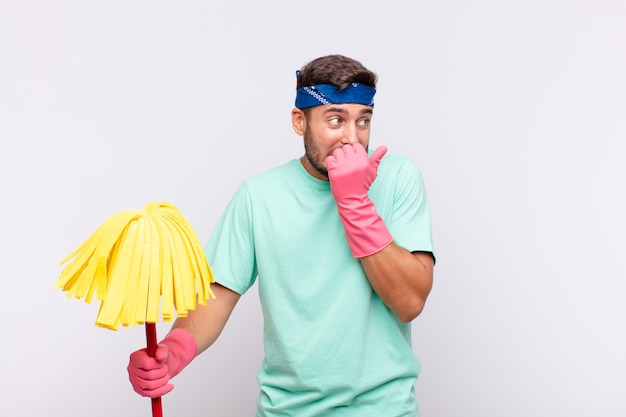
351 173
150 376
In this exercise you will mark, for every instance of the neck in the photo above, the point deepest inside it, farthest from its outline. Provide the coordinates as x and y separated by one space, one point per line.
314 172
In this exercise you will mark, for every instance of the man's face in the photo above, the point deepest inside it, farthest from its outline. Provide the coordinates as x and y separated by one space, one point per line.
329 127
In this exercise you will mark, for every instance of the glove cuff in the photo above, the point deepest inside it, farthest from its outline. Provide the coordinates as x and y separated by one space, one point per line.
366 231
182 349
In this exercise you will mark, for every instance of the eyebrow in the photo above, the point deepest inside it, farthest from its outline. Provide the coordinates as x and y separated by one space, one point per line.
334 109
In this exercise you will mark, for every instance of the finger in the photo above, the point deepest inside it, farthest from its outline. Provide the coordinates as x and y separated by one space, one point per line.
156 392
161 391
335 158
330 161
140 360
148 374
150 383
358 148
340 151
377 156
161 353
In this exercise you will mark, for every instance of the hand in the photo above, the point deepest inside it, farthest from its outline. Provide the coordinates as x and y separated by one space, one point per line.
351 174
150 376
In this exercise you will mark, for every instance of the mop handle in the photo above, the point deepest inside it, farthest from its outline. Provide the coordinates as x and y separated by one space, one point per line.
151 339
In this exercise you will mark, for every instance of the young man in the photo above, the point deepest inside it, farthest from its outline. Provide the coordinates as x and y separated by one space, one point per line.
340 241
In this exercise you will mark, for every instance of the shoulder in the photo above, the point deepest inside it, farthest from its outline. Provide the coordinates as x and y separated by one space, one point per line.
274 182
399 166
270 176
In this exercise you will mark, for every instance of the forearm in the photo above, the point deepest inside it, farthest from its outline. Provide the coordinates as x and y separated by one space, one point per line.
401 279
207 321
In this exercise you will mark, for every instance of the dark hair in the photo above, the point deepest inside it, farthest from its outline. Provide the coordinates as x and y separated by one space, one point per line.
335 69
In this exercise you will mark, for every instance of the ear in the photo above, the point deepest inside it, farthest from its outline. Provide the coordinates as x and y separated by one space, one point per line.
298 121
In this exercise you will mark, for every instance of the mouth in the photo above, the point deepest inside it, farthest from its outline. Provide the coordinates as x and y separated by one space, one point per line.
330 153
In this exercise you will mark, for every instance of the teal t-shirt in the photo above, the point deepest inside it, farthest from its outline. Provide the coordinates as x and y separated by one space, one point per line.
331 346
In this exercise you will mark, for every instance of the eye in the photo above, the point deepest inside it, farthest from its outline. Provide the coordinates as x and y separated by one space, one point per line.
363 122
335 121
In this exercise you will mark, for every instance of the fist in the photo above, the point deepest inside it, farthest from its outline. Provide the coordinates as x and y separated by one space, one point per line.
149 376
351 172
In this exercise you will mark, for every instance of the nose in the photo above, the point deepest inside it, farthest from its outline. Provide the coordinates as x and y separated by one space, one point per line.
350 135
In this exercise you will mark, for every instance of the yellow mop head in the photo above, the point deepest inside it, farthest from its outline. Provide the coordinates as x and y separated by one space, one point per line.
137 260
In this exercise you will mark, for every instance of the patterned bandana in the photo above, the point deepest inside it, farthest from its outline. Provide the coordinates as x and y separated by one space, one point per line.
320 94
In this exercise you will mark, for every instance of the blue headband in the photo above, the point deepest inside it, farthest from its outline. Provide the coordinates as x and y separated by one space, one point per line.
320 94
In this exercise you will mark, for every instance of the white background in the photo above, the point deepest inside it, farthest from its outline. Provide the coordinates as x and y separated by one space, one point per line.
515 112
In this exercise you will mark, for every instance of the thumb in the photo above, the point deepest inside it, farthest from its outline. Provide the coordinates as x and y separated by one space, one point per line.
377 156
161 354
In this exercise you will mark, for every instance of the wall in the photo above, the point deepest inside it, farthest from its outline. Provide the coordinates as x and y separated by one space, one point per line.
513 110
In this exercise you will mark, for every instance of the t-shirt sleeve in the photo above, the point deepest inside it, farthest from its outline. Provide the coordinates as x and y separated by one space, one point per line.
230 249
410 223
